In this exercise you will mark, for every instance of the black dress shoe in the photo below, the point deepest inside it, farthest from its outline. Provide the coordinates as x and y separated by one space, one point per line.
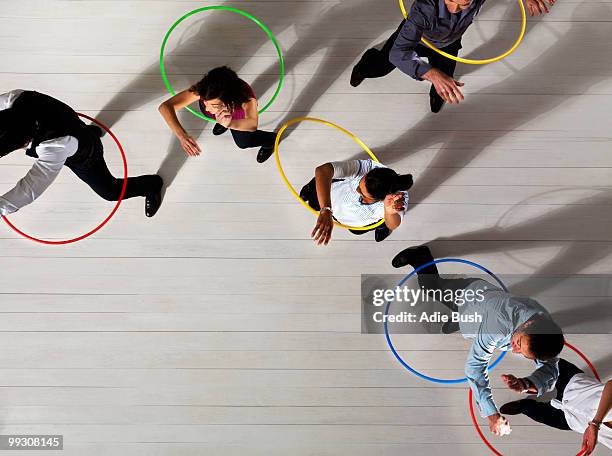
414 256
435 102
381 233
99 132
219 129
154 199
264 153
356 76
513 408
450 327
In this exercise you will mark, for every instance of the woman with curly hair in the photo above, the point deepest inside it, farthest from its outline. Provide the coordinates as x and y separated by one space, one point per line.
229 100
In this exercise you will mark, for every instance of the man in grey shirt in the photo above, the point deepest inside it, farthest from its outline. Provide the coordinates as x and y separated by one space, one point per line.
442 23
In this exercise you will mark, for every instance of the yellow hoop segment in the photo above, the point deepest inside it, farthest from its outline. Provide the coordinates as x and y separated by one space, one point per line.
290 187
471 61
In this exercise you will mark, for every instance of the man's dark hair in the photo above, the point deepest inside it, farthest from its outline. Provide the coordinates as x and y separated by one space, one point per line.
381 182
223 83
545 338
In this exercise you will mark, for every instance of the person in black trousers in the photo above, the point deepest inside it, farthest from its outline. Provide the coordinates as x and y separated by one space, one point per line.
544 412
582 404
442 23
53 134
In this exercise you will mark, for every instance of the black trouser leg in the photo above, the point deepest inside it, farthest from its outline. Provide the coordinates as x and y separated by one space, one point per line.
257 138
309 194
360 232
430 279
440 62
566 371
375 63
95 173
544 413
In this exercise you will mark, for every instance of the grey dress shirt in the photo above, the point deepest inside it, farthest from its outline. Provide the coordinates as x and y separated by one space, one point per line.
432 20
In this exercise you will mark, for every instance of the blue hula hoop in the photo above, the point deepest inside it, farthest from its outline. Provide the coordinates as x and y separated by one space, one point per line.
392 347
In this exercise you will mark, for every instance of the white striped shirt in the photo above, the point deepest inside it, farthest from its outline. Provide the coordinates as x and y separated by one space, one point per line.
347 203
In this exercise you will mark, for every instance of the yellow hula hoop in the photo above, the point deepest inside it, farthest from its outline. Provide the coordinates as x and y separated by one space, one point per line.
477 62
290 187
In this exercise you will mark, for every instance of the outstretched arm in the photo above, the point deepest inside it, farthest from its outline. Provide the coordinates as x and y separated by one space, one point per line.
324 175
476 372
168 111
404 56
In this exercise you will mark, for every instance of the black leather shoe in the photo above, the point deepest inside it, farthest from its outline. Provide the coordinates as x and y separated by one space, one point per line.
356 77
381 233
219 129
99 132
435 102
264 153
153 200
512 408
414 256
450 327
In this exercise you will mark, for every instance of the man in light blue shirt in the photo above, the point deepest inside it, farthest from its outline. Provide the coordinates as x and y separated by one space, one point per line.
494 319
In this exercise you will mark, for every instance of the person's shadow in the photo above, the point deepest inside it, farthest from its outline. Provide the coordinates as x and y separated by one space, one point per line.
187 62
459 144
569 226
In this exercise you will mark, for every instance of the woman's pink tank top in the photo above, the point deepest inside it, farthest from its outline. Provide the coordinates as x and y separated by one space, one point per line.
238 114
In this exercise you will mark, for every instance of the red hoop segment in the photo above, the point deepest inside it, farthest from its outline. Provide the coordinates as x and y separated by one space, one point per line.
106 220
477 426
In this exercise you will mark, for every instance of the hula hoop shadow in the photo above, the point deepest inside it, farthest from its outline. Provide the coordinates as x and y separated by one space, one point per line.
390 343
107 219
473 61
477 426
234 10
290 187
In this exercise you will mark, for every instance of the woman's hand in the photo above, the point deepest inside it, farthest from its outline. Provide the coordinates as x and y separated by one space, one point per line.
224 117
394 203
323 229
589 439
189 145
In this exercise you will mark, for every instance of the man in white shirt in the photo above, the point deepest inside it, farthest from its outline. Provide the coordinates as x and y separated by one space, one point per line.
357 193
53 134
582 404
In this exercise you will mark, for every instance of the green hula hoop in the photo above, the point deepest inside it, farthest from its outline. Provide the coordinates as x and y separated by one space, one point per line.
234 10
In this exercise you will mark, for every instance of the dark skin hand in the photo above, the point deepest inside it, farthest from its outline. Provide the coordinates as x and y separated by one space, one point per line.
323 229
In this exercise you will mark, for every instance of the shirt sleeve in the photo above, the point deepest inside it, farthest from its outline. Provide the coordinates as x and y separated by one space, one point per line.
351 168
51 157
7 99
403 53
476 371
406 201
545 376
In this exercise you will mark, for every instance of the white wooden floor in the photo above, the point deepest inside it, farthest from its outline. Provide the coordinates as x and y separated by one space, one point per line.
218 327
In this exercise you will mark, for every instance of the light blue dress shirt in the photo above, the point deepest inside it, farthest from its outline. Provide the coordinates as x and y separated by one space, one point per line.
502 314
